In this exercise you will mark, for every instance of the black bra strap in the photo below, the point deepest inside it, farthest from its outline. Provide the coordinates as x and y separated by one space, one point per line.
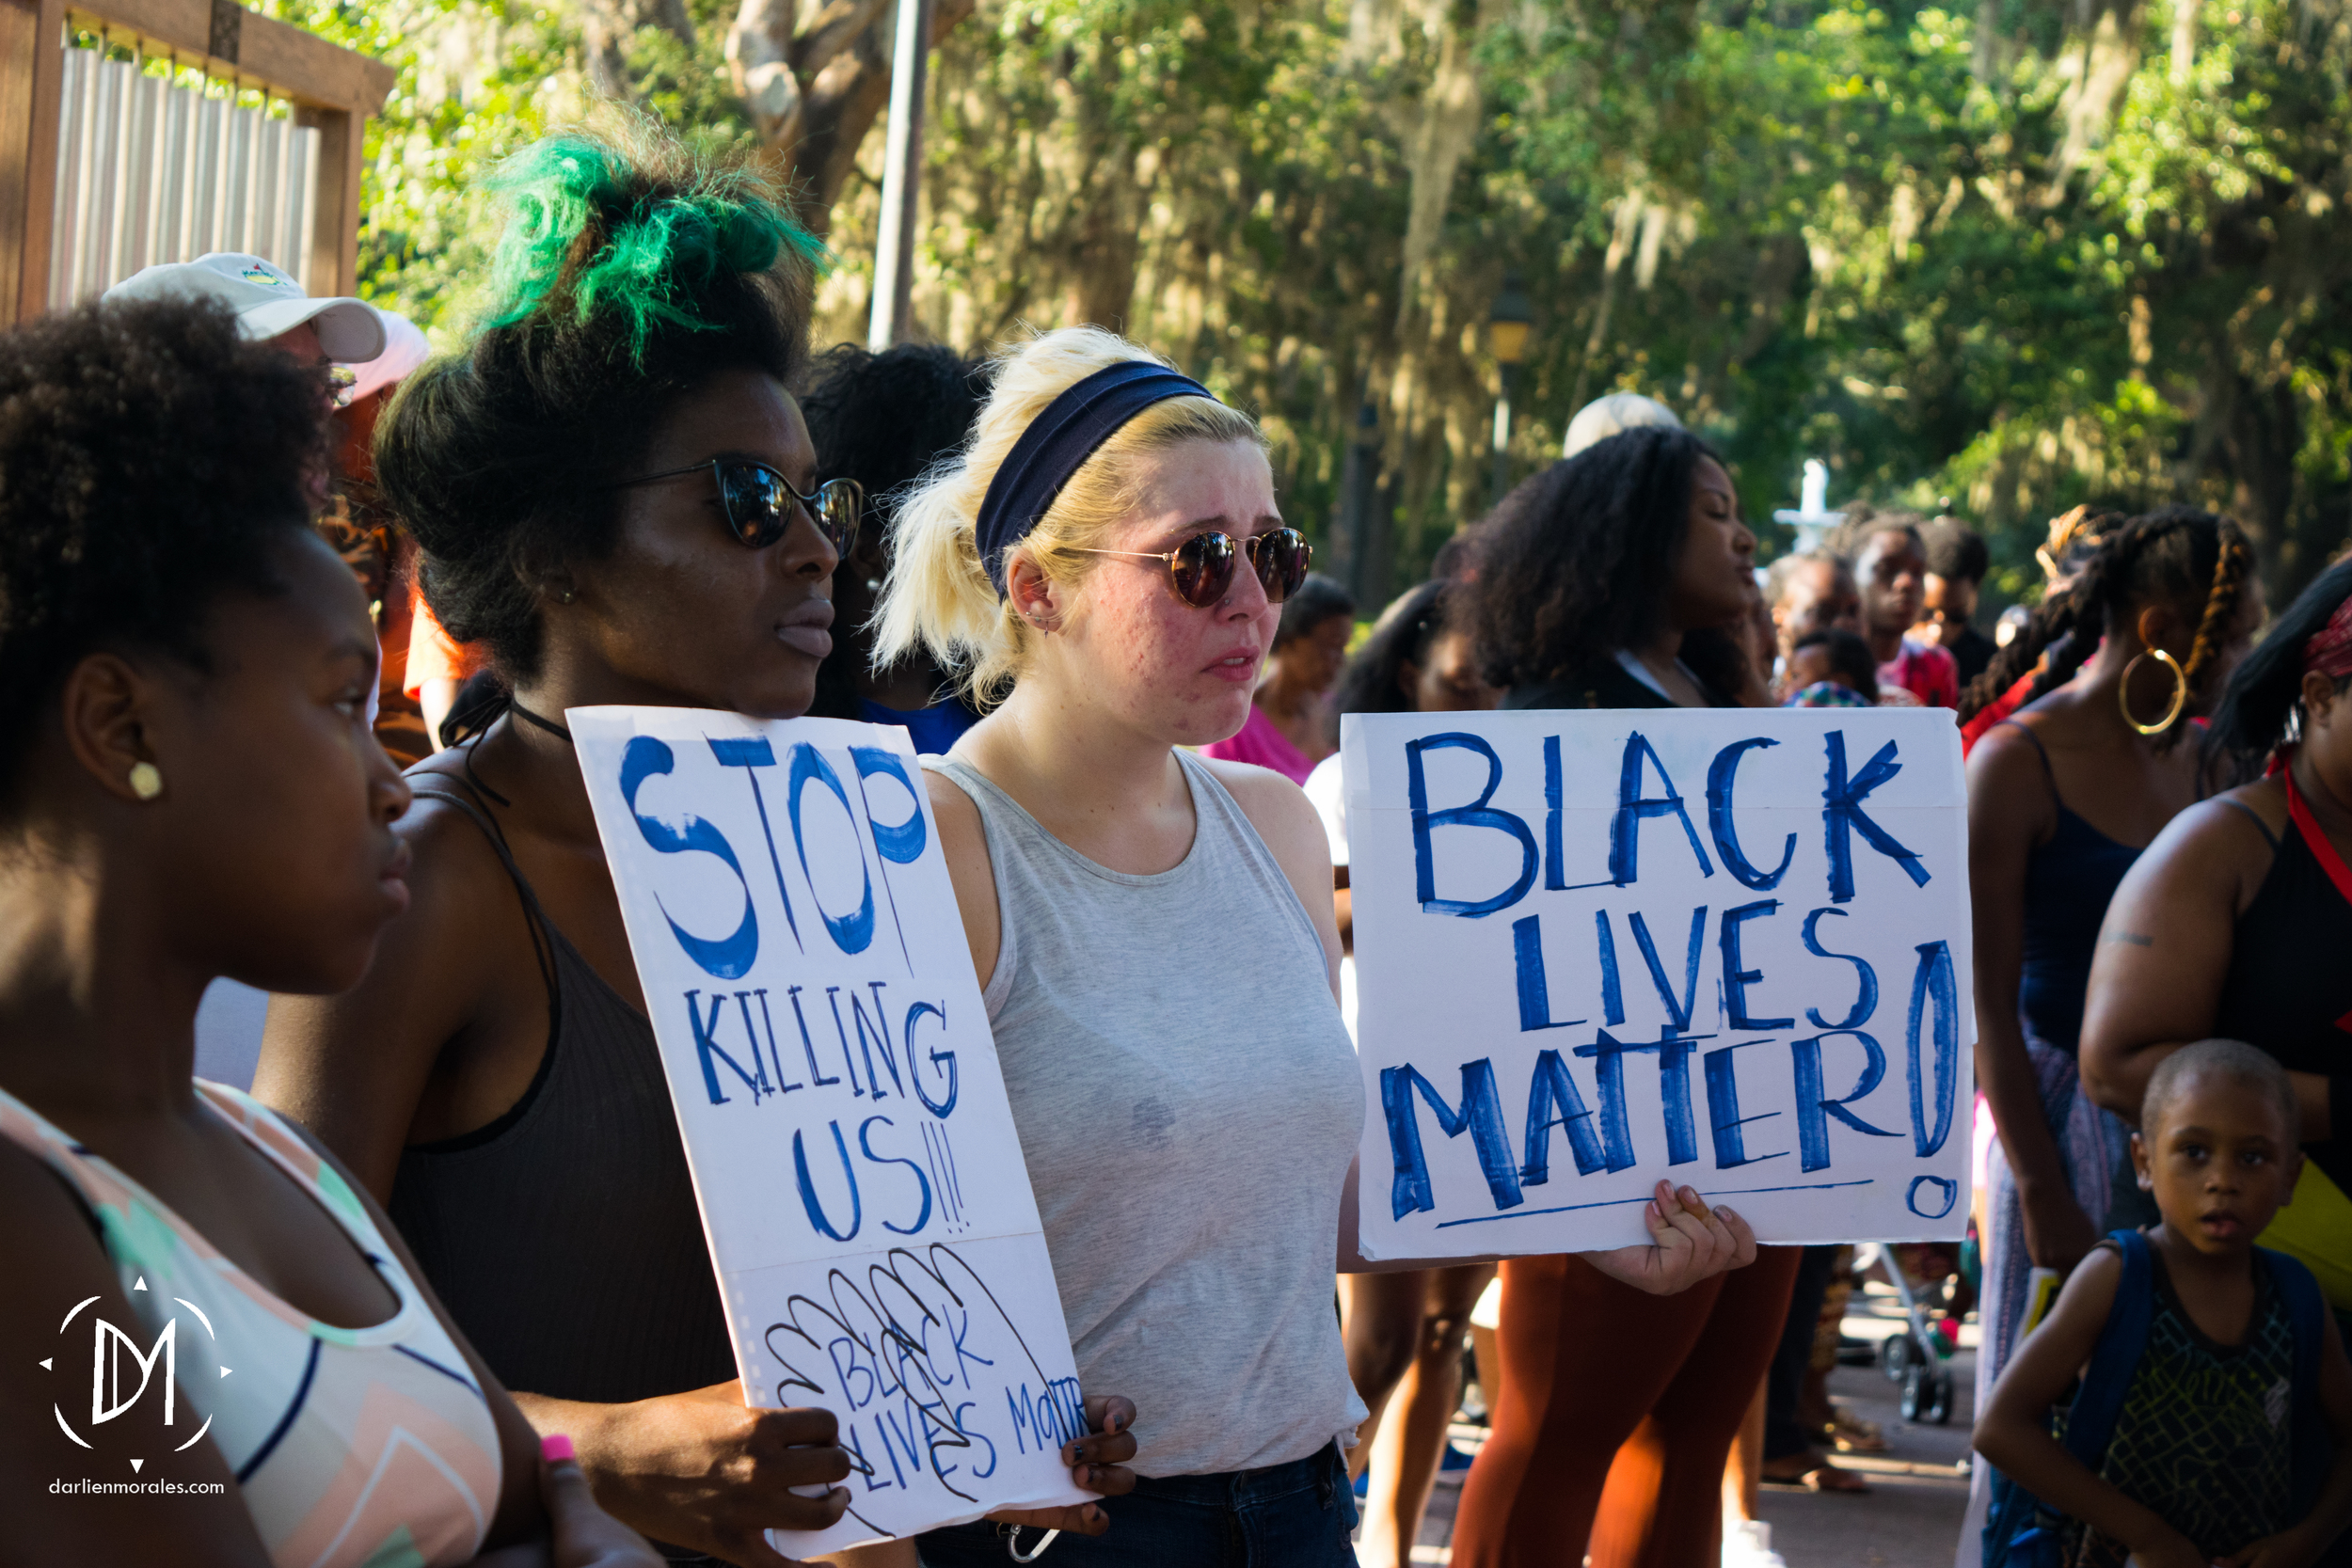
542 936
2255 818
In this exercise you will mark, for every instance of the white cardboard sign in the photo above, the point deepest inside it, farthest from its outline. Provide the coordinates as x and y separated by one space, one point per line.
1728 947
861 1183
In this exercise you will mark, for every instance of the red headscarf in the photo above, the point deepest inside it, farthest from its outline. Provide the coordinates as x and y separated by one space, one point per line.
2329 651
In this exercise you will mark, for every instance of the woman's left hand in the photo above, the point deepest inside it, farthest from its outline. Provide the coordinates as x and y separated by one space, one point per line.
1097 1464
1689 1242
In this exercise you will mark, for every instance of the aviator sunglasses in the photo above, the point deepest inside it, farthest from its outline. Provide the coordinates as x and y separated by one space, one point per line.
1200 570
757 502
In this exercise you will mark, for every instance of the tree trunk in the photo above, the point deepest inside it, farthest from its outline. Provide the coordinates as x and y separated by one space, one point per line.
1450 108
759 61
1621 234
608 25
851 61
2110 55
2247 437
1985 63
813 85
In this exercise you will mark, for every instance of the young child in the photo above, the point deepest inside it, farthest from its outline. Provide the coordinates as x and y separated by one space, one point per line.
2201 1461
1831 669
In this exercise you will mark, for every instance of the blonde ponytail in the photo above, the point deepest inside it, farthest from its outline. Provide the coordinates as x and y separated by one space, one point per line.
938 595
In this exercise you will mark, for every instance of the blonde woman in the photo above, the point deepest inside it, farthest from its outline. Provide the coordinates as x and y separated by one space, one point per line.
1154 938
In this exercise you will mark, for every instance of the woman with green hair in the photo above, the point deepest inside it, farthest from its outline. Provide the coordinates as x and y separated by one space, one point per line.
613 493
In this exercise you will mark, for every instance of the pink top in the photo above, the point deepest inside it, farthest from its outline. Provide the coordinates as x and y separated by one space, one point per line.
1259 743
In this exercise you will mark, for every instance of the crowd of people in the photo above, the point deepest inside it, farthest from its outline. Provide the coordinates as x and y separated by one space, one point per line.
450 1213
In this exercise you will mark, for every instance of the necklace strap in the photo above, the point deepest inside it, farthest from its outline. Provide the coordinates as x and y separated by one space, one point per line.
2315 838
530 717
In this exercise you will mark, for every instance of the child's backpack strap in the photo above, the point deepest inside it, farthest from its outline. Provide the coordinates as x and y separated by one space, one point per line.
2306 1309
2014 1535
2108 1378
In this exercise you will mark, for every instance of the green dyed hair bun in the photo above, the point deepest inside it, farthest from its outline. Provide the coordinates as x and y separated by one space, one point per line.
633 274
592 229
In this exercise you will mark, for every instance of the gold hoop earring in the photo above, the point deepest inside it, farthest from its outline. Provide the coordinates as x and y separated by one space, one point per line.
2180 691
147 780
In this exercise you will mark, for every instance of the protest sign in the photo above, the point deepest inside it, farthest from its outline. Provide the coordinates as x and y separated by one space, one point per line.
1597 947
861 1183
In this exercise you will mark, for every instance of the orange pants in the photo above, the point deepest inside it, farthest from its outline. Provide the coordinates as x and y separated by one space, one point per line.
1614 1414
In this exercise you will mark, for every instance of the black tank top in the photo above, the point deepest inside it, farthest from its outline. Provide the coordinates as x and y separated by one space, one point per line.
563 1236
2289 987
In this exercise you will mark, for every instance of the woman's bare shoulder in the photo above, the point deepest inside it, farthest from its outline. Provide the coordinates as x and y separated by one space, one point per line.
1275 806
2236 828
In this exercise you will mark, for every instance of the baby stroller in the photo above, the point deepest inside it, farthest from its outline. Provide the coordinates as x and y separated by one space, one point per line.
1917 1357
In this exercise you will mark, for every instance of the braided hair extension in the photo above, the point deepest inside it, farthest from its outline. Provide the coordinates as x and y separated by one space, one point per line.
2075 540
2235 554
2174 554
2072 538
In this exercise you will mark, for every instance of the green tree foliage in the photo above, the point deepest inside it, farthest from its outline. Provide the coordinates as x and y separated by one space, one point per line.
477 79
2022 253
2018 254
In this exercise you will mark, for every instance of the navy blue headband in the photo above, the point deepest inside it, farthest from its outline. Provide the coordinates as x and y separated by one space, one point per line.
1057 445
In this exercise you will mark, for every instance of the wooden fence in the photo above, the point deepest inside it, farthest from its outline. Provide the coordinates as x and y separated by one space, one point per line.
153 130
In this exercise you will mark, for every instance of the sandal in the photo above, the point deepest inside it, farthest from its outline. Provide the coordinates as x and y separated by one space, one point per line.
1812 1471
1851 1433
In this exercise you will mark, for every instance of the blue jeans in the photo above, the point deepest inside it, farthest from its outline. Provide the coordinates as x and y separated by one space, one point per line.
1294 1515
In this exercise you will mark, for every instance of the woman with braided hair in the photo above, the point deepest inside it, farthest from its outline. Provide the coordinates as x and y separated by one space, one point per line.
2061 800
615 495
2225 925
2075 538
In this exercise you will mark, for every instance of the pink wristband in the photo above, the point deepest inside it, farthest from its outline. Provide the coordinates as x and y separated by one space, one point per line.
556 1449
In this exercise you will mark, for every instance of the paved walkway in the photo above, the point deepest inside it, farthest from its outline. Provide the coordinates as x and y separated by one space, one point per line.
1909 1518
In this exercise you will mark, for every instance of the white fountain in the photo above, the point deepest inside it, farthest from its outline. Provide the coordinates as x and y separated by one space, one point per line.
1812 517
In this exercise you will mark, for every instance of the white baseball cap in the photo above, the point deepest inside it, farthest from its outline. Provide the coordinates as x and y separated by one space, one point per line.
267 302
1613 414
405 349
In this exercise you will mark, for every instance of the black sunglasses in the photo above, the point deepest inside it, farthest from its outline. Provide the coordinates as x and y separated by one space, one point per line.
1200 570
758 502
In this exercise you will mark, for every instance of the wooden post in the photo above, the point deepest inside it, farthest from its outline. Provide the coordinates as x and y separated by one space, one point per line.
335 208
32 72
332 89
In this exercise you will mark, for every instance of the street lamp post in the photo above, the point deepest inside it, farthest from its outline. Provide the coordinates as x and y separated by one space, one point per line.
1507 326
902 178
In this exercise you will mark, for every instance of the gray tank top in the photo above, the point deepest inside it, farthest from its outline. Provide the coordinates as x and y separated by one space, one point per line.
1188 1102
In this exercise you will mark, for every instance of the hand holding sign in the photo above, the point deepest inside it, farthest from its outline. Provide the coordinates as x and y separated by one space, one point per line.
718 1474
859 1181
1097 1463
1575 979
1688 1242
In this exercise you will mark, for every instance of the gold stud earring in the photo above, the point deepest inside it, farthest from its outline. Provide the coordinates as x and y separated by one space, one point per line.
147 780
